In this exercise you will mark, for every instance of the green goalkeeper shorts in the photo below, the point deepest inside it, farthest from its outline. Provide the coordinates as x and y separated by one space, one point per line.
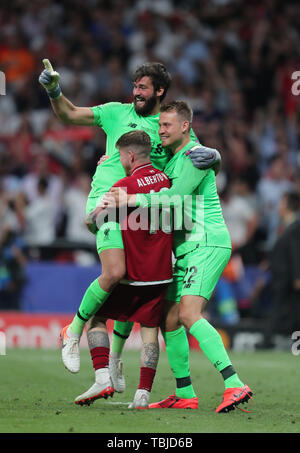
109 236
197 272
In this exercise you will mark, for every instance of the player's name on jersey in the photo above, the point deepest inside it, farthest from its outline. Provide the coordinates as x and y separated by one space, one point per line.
148 180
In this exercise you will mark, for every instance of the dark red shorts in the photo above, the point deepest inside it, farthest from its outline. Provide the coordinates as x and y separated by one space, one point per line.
142 304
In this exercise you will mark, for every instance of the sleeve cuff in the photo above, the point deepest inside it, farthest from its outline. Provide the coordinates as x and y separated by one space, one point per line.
95 111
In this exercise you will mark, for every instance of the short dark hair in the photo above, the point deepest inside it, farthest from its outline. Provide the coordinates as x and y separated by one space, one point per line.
138 140
158 74
182 108
292 201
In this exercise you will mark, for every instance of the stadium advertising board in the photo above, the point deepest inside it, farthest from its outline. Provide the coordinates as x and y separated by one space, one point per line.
41 330
32 330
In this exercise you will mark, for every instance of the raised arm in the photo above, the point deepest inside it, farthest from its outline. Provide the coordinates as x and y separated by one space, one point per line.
65 111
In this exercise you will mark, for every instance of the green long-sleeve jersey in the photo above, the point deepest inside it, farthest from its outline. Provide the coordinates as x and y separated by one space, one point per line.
198 218
115 119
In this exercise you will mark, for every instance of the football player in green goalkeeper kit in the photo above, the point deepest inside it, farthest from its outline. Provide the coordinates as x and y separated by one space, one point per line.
202 248
150 85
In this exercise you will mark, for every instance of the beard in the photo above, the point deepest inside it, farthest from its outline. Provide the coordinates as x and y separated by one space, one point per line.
148 106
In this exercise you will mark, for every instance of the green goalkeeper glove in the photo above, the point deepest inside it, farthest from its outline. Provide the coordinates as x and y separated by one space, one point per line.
49 79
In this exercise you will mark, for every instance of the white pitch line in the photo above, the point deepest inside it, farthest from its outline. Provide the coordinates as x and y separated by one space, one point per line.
116 402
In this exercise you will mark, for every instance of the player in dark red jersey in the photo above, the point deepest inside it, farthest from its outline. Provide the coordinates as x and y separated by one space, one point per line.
140 296
144 242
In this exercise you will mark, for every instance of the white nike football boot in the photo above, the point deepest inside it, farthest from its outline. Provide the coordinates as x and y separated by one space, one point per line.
70 350
116 374
141 400
102 388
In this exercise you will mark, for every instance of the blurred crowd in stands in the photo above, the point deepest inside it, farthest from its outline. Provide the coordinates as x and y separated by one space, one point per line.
232 60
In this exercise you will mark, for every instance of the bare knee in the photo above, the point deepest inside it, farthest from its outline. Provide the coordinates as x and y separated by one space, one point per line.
113 268
170 319
191 310
118 272
96 323
184 317
113 276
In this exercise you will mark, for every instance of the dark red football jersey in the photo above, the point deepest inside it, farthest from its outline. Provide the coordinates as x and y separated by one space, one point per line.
148 249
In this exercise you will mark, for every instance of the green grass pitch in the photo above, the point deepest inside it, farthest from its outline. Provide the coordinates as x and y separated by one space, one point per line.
37 396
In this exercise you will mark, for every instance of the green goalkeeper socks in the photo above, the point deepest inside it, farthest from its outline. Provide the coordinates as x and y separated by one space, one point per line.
92 300
177 349
212 346
121 332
